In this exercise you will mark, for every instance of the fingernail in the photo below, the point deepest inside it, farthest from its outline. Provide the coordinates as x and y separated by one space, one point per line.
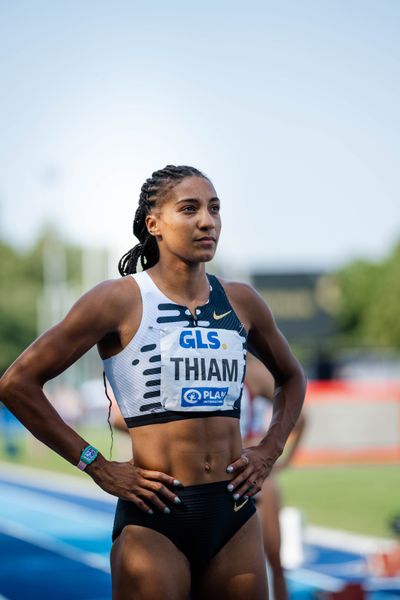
230 487
150 512
236 496
167 511
229 469
177 482
177 500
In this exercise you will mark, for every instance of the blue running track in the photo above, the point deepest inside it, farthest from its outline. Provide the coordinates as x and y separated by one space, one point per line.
55 539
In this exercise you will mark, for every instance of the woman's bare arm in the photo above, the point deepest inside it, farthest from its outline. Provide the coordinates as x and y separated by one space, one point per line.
98 314
86 324
271 347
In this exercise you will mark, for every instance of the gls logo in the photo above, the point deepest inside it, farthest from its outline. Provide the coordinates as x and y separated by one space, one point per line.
199 339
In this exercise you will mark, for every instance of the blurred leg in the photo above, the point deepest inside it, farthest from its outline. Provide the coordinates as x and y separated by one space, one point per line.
269 506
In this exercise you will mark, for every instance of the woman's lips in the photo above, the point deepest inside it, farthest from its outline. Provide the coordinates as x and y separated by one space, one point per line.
206 240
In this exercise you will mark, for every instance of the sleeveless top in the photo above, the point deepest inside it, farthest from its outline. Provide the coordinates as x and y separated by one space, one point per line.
177 365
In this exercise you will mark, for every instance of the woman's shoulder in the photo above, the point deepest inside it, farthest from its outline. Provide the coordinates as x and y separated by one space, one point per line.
117 294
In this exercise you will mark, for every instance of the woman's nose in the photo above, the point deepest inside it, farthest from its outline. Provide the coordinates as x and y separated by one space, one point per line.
205 219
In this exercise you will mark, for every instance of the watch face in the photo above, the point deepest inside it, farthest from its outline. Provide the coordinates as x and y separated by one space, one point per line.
89 454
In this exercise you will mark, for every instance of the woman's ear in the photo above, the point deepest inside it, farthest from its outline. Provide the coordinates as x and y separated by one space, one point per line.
152 226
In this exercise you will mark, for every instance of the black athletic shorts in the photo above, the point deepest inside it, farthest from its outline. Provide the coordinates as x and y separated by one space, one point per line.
205 521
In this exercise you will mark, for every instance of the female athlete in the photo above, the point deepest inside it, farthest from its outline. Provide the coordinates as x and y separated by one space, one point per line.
173 341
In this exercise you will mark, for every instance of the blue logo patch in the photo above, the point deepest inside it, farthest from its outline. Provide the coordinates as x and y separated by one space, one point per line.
199 339
203 396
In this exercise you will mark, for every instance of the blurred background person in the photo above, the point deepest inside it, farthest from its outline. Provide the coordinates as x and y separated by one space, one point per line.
257 401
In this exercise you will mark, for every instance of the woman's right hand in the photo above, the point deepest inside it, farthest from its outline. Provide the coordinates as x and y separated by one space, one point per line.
147 489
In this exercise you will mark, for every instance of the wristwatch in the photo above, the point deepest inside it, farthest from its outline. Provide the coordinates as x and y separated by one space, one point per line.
89 454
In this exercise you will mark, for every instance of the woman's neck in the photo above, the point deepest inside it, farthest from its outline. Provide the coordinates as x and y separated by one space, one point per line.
182 282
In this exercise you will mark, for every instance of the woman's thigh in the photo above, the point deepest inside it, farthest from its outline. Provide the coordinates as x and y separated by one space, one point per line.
238 571
146 565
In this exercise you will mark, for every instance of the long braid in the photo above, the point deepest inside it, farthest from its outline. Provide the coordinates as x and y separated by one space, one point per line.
153 190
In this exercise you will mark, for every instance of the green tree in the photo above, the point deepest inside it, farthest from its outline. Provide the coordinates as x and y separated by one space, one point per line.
21 283
370 307
382 318
20 286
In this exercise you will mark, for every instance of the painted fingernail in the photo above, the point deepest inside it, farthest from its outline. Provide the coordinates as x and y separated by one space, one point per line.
177 500
229 469
167 511
150 512
236 496
177 482
230 487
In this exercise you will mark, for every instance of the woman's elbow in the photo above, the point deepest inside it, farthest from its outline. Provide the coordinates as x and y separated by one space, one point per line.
11 385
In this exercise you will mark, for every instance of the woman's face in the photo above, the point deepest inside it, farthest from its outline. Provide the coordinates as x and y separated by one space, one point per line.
188 222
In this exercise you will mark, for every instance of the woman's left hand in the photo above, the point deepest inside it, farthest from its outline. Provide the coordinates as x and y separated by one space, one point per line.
253 467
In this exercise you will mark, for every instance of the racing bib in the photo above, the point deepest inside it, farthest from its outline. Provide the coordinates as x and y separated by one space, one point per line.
201 369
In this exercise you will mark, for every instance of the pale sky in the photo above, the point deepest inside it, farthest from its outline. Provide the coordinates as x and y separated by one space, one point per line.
291 107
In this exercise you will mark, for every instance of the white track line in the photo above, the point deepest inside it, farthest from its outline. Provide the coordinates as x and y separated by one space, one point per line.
381 583
315 579
46 542
347 541
50 480
48 507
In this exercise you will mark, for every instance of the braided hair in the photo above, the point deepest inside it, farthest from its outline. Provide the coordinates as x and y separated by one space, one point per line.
153 190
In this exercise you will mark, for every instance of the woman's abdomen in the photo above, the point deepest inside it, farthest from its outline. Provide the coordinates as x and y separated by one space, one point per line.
194 451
